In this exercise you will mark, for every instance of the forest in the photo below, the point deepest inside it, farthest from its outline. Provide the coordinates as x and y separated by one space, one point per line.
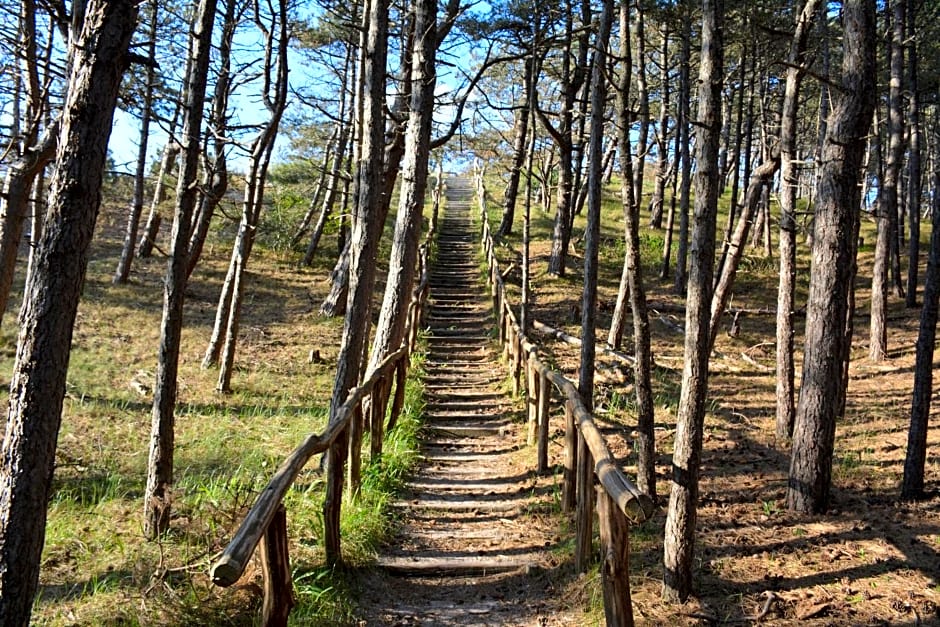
717 221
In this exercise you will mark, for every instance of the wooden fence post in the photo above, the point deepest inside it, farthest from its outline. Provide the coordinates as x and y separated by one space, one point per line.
532 398
398 402
615 561
585 513
545 395
275 564
569 489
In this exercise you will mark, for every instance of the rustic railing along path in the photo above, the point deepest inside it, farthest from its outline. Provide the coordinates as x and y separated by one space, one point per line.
587 458
471 543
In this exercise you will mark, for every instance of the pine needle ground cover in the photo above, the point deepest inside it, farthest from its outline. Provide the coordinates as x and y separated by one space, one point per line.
872 560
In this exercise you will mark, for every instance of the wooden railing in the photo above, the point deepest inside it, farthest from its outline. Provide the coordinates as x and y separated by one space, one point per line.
267 519
619 501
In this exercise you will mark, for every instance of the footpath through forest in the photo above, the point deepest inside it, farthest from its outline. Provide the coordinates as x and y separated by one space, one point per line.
475 533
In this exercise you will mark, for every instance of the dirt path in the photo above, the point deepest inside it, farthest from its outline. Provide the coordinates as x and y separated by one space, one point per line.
476 534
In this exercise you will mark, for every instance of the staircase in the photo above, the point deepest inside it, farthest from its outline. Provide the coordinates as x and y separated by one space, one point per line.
473 545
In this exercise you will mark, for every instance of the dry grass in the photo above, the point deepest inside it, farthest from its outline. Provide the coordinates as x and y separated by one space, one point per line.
97 568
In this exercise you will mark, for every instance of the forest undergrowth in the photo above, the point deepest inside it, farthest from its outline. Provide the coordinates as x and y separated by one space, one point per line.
872 560
97 567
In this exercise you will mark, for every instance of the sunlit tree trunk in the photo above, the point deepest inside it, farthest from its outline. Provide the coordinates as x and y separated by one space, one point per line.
37 387
123 270
822 393
631 281
679 543
789 181
366 229
685 156
160 464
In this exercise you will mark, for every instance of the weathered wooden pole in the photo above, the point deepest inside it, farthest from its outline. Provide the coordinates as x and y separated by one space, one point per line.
615 561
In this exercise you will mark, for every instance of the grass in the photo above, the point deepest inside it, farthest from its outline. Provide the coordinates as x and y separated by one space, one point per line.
97 567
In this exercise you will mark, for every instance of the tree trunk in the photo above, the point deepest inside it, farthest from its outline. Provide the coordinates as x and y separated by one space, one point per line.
399 285
333 182
160 462
789 182
366 229
896 143
822 392
598 91
912 486
913 161
735 244
521 131
657 202
685 97
170 152
887 254
215 180
643 106
14 203
123 270
679 544
275 100
671 216
37 386
632 279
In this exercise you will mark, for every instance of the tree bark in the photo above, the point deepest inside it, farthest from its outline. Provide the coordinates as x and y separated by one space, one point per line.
275 29
887 255
685 186
366 229
789 182
521 131
657 202
822 392
631 280
37 387
679 543
913 161
123 270
160 460
912 486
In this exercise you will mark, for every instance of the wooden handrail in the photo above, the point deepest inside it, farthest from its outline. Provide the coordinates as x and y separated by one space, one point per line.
230 566
634 503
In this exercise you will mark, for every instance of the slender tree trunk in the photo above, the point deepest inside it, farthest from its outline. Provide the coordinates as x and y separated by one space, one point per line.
896 143
679 544
789 181
671 216
160 465
886 246
14 202
170 152
521 131
123 271
685 187
913 484
404 256
215 180
913 161
822 392
643 105
364 240
760 179
662 136
598 91
37 386
632 279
